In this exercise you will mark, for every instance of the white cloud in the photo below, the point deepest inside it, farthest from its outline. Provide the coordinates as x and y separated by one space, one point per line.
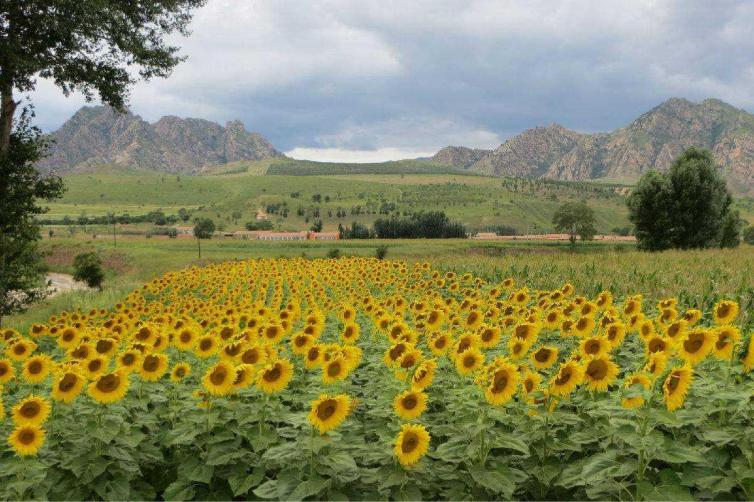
358 75
358 156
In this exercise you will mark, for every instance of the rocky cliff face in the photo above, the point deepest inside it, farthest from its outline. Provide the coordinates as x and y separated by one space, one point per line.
651 141
459 156
98 135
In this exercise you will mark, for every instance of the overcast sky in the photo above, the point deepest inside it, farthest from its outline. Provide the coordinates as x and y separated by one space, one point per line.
378 80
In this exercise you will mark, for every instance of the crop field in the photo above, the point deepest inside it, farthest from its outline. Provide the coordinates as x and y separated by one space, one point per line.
526 376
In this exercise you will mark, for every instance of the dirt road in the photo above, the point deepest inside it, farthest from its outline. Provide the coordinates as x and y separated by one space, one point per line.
61 283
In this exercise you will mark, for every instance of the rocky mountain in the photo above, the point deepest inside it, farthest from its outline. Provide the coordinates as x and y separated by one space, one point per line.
651 141
98 135
459 156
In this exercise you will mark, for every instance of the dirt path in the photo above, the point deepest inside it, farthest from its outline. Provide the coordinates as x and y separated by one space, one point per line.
61 283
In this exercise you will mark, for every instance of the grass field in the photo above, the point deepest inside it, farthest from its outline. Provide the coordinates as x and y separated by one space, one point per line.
477 201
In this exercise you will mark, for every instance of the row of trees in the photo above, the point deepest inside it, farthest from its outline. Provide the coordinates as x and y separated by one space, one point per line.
425 225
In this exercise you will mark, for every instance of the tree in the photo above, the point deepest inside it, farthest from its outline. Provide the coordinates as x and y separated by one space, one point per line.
22 187
183 214
687 207
730 234
748 234
88 268
381 252
577 219
89 46
204 228
317 226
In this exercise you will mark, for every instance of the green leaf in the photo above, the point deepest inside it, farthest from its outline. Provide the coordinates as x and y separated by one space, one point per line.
495 481
267 490
241 484
510 442
309 488
677 453
179 489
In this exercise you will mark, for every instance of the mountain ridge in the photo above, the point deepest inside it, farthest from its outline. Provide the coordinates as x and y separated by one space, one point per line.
651 141
97 135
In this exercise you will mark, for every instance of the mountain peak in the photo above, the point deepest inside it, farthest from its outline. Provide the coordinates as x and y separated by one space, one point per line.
99 135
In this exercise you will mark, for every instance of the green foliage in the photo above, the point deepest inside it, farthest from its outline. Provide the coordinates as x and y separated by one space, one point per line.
294 167
333 253
204 228
577 219
730 234
748 235
687 207
259 225
88 268
21 189
381 252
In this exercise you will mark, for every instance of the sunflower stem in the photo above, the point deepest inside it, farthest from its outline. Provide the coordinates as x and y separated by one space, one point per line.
311 453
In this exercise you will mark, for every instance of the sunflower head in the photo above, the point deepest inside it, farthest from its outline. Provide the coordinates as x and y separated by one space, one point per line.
410 404
110 387
328 412
26 440
411 444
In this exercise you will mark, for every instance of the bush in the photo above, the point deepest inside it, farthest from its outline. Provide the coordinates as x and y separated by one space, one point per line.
333 253
430 225
88 268
357 231
503 230
259 225
622 231
748 235
381 252
687 207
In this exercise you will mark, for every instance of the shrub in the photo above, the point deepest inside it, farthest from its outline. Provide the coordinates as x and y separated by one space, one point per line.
748 235
88 268
381 252
333 253
259 225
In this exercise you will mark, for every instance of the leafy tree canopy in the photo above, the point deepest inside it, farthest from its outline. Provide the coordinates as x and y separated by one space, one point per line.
577 219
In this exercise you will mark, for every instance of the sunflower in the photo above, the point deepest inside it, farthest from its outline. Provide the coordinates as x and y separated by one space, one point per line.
657 343
7 371
502 384
599 373
94 367
526 332
516 348
179 372
26 440
489 336
185 339
20 349
439 344
473 320
615 333
411 444
409 359
632 306
692 316
109 388
67 386
218 380
273 333
33 410
314 357
275 376
553 319
530 382
334 370
300 343
583 326
725 312
153 366
676 331
253 355
328 412
469 361
394 353
656 364
410 404
727 337
69 338
544 357
245 374
595 346
423 375
36 368
352 356
569 375
83 352
351 332
434 320
206 346
676 386
696 345
106 347
129 360
637 380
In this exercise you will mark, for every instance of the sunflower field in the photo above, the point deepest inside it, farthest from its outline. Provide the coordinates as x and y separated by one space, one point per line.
357 378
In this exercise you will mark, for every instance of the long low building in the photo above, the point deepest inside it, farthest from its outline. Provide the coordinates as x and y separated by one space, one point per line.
269 235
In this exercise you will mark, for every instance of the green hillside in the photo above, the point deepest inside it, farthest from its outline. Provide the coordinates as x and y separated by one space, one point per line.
235 198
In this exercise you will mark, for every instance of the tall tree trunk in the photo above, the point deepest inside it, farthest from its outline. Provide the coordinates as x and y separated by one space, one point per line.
7 110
